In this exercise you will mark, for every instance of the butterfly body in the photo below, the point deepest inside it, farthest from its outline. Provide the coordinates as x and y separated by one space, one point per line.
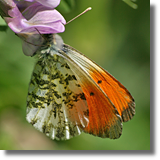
69 94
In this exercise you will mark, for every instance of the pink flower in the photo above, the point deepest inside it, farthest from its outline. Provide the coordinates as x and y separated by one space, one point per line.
37 15
30 18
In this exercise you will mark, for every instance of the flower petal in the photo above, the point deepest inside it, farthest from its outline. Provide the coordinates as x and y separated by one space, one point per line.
55 27
49 3
47 16
5 6
31 10
15 20
23 4
46 21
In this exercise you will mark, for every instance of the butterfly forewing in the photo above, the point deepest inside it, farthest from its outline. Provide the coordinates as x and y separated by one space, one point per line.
115 91
56 104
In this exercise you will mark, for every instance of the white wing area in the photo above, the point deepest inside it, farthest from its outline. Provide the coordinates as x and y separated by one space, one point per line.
56 104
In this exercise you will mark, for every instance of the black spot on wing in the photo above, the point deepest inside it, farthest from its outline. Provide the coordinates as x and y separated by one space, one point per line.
91 93
99 81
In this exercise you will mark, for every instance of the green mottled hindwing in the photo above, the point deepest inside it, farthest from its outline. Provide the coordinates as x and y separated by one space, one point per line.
55 103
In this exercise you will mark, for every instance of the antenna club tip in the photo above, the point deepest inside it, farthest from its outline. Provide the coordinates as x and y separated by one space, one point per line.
89 8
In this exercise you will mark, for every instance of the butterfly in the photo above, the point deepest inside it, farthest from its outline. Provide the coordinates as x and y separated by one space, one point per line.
69 94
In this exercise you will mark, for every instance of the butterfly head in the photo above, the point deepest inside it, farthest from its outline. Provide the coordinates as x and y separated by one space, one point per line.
51 43
52 40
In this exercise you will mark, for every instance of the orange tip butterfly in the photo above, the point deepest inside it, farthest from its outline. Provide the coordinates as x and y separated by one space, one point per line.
69 94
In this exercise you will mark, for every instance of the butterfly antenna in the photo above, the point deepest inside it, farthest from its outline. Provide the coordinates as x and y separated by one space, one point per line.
88 9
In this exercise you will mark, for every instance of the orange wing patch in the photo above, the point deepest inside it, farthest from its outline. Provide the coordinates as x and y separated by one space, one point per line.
116 92
104 120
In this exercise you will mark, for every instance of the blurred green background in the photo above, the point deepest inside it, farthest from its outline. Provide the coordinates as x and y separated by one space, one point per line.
114 35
